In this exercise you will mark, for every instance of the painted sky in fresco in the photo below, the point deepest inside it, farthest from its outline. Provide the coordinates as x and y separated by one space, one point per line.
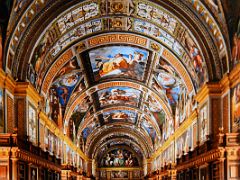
119 95
118 61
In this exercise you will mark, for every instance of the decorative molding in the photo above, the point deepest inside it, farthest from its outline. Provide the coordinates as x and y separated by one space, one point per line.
25 89
208 89
203 158
54 69
30 158
117 38
6 81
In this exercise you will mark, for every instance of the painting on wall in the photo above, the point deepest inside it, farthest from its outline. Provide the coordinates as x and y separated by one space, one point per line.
194 133
81 111
168 155
236 108
203 119
184 143
236 46
33 172
182 108
119 95
80 87
119 116
1 111
77 15
119 61
166 80
146 125
119 158
196 58
1 46
32 124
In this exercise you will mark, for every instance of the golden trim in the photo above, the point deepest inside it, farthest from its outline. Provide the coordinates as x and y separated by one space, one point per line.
207 90
203 158
26 89
6 81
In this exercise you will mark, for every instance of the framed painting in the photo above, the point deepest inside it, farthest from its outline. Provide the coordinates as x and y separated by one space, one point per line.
119 95
32 124
118 61
236 108
119 116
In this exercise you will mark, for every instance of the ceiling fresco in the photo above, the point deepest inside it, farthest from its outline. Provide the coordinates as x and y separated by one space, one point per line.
110 71
118 61
119 116
120 141
119 96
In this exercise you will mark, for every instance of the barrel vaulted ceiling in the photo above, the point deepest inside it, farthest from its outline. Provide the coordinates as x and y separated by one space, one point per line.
116 72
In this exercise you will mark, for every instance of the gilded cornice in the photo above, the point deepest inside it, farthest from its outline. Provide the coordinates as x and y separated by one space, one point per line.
208 89
6 81
26 89
203 158
54 128
232 153
16 153
31 158
177 134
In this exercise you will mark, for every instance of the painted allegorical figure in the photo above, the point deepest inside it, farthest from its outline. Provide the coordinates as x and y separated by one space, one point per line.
236 106
236 46
118 61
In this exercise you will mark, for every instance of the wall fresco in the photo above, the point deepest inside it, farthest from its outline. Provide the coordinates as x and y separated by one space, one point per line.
119 158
